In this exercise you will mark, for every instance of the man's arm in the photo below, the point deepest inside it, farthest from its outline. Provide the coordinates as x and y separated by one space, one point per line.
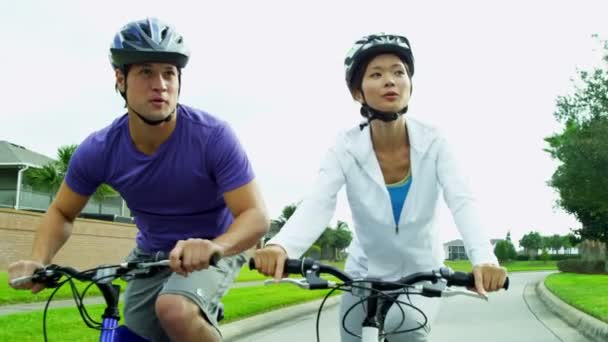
52 232
251 220
56 225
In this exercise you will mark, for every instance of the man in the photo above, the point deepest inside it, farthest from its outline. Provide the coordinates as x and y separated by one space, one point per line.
186 179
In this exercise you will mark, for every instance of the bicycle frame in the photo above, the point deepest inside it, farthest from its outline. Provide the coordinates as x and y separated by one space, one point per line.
111 331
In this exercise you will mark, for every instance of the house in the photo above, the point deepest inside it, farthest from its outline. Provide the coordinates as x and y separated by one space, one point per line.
14 160
454 250
16 193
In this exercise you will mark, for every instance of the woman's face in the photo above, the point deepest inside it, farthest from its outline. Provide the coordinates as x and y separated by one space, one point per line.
385 85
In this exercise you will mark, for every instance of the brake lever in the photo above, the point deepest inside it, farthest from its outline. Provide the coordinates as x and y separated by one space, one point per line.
301 283
50 278
20 280
450 292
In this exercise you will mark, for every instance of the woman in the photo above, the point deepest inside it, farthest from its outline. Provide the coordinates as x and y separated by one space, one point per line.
394 169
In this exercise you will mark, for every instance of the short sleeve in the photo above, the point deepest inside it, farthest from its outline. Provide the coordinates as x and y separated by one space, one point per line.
86 169
228 161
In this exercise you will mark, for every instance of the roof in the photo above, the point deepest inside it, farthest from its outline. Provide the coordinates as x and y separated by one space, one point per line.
458 242
14 155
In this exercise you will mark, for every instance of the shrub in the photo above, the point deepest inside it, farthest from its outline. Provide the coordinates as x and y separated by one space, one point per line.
579 266
314 252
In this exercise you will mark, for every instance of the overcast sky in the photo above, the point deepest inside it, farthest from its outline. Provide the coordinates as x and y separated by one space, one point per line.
487 74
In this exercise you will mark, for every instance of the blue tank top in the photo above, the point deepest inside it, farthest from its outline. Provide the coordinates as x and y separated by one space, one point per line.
398 192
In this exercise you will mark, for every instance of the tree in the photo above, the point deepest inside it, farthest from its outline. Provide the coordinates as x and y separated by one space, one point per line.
582 149
50 176
554 242
504 249
342 238
567 244
512 253
276 225
531 243
544 256
326 242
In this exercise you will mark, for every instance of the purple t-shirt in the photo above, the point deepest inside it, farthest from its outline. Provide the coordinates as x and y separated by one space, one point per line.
176 193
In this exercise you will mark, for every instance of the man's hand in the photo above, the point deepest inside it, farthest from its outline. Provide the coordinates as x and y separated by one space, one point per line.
489 278
24 268
193 255
270 261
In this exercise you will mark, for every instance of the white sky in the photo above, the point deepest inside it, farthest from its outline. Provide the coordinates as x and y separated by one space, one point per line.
487 73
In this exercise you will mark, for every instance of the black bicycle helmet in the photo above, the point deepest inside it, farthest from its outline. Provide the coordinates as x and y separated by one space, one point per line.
148 40
373 45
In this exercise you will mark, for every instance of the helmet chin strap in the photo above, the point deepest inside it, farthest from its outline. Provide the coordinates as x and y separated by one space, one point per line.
373 114
154 122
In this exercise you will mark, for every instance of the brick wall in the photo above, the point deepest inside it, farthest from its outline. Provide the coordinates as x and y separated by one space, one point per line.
92 242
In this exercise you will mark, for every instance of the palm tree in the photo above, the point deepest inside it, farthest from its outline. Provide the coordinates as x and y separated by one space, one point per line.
50 176
276 225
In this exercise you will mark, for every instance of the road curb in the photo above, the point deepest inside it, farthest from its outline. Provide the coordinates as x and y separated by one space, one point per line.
234 331
587 325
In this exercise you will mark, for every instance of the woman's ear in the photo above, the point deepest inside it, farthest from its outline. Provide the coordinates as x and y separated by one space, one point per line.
357 96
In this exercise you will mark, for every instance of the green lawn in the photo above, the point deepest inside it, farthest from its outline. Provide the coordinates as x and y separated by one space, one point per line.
65 324
587 292
10 296
513 266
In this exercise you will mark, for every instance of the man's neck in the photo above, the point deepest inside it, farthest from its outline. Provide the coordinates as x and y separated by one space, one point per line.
147 138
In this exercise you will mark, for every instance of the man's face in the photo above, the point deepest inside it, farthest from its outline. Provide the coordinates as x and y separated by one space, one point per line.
151 88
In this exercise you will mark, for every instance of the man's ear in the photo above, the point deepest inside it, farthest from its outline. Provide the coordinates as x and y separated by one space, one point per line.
120 80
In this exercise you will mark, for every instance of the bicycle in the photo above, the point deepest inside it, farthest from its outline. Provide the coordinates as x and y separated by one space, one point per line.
376 292
102 276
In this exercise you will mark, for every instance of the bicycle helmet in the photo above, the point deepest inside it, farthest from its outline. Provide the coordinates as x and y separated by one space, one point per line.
148 40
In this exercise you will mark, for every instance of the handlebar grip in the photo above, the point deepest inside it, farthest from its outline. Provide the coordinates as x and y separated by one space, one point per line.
215 258
468 280
291 266
461 279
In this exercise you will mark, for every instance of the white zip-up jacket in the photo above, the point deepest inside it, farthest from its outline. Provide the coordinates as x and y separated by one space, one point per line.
382 248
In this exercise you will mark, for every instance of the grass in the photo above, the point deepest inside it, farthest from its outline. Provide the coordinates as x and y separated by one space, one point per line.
587 292
11 296
513 266
65 324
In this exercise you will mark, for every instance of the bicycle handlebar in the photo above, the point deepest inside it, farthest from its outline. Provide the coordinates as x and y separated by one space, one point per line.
306 266
50 274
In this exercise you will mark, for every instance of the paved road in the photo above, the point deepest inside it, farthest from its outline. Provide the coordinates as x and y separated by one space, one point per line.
514 315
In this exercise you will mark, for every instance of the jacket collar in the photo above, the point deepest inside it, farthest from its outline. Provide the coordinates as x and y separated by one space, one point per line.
359 145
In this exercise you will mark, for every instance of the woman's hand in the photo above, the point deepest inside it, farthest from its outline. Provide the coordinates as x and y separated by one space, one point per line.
270 261
489 278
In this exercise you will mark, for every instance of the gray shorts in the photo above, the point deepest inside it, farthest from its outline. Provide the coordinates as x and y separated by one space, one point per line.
205 288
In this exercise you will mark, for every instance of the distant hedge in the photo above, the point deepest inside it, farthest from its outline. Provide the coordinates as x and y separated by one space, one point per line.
522 257
580 266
